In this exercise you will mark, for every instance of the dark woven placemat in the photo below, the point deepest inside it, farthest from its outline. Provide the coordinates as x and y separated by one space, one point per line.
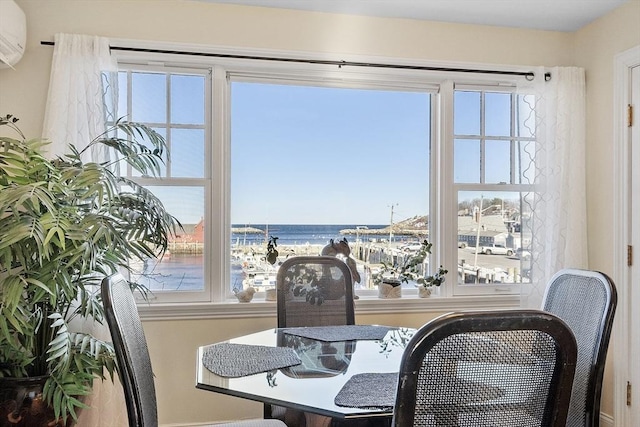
238 360
341 333
369 391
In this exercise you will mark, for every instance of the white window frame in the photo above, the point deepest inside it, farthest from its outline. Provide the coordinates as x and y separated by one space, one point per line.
443 200
484 289
205 182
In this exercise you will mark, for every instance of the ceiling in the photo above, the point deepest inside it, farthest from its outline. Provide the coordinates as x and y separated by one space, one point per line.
554 15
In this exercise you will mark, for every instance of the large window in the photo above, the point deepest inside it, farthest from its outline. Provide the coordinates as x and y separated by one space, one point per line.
313 163
263 151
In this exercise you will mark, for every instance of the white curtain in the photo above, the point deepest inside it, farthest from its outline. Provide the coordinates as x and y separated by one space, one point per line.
75 112
559 219
83 74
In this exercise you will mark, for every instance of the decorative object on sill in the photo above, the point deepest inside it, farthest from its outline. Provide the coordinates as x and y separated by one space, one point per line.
272 252
64 225
245 295
390 288
410 267
270 294
424 290
342 248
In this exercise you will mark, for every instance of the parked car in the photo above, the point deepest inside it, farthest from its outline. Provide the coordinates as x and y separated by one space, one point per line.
496 249
523 253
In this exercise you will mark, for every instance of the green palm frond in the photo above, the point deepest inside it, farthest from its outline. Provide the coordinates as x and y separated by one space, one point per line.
64 225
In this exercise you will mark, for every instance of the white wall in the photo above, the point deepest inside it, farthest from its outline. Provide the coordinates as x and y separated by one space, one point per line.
172 344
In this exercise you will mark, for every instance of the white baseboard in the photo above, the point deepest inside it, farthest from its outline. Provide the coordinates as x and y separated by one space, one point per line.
606 420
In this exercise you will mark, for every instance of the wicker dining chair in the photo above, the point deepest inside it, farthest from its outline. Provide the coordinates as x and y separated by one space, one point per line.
499 369
311 291
132 357
314 291
586 300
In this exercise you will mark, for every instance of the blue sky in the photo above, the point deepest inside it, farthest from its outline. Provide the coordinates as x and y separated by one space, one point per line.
322 155
317 155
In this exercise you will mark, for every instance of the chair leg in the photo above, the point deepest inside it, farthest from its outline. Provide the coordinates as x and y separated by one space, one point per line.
267 411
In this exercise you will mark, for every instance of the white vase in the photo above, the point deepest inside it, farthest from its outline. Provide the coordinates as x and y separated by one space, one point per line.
424 292
270 295
386 290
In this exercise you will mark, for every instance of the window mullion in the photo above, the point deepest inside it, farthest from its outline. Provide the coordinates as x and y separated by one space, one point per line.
444 202
220 230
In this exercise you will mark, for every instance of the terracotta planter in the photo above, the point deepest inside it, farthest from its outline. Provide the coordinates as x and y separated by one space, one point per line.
21 404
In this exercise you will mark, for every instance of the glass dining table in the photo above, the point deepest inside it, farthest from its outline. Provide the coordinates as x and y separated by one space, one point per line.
327 371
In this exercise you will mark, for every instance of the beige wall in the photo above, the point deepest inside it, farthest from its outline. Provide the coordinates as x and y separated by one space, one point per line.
172 343
595 48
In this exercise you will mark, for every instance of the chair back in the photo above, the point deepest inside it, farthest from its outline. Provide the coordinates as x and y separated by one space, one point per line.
500 369
132 354
586 301
314 291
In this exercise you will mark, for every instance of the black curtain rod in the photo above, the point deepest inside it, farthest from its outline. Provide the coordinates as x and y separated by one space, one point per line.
528 75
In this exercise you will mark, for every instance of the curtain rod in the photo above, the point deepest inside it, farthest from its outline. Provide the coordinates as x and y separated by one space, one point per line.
529 75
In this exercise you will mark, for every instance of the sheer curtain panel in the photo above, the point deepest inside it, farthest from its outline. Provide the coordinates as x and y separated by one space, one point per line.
80 78
559 203
81 83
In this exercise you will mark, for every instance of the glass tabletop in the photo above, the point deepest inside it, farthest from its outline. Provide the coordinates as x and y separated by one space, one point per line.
324 369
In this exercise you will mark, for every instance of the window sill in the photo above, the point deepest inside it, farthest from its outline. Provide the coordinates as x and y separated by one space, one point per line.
364 305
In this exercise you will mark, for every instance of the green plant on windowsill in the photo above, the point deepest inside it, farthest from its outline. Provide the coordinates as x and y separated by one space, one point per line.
65 224
410 269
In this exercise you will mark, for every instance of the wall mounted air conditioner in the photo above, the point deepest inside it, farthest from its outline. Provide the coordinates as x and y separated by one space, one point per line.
13 33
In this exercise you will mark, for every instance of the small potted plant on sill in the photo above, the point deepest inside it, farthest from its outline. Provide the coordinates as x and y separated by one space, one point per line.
426 284
391 277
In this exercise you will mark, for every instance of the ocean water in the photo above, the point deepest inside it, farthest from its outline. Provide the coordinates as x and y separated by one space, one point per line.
186 271
297 234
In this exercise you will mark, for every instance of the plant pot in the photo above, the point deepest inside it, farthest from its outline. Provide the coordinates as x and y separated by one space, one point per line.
21 404
389 290
424 292
270 294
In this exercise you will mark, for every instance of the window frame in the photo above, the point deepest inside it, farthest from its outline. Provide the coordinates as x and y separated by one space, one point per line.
443 201
205 182
522 188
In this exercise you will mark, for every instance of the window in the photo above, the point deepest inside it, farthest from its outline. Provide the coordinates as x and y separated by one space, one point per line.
493 152
311 163
175 103
307 155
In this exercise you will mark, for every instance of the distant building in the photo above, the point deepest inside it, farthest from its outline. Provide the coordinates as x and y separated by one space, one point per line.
191 233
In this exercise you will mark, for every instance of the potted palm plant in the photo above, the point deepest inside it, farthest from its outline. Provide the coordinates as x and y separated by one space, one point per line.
64 225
